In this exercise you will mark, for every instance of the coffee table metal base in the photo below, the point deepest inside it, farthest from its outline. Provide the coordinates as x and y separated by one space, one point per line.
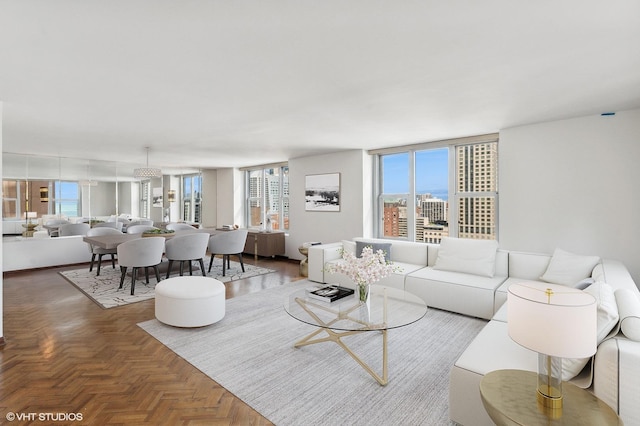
336 336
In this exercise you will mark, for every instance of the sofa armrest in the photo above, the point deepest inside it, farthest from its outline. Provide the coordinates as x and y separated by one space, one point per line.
616 377
319 255
614 273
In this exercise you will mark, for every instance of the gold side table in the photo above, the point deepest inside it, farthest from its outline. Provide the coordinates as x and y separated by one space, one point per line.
29 229
509 396
304 263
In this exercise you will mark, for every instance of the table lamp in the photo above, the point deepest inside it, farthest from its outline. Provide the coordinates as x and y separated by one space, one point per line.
30 215
557 322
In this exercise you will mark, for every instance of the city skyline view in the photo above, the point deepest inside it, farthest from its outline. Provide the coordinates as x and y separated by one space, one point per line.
431 171
426 216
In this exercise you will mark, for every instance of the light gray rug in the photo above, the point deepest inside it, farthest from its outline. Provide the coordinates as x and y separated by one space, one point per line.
250 352
103 289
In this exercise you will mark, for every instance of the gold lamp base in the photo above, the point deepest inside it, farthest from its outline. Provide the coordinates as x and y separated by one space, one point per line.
552 402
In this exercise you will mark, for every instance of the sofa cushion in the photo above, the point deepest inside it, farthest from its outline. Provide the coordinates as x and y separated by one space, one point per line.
467 294
629 311
385 247
568 269
476 257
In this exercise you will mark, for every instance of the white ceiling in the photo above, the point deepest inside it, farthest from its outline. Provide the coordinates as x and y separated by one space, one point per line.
216 83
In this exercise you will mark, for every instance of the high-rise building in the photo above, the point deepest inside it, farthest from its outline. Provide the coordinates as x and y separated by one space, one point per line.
476 184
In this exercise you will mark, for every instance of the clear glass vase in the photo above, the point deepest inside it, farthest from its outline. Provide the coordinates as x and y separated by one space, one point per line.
363 292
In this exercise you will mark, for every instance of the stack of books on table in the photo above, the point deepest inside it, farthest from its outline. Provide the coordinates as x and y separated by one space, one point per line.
330 293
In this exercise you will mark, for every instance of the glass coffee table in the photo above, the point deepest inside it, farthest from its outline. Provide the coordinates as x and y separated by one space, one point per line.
387 308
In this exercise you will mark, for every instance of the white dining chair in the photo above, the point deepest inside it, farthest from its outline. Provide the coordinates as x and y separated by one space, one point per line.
140 253
70 229
227 243
99 251
113 225
186 248
173 226
139 229
53 225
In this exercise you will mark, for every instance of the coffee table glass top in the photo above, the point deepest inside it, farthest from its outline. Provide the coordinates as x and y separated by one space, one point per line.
387 308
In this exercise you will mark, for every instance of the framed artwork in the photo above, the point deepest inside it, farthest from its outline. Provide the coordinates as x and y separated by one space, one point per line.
322 192
157 197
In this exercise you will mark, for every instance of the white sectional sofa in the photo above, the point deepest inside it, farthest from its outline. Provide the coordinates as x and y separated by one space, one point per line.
613 374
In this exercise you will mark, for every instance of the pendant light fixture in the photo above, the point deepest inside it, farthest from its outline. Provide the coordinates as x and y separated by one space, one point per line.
147 172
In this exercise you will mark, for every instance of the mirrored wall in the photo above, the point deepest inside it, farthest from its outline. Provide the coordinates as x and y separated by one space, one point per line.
40 186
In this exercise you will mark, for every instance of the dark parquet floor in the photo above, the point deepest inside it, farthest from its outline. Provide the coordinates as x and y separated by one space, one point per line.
65 356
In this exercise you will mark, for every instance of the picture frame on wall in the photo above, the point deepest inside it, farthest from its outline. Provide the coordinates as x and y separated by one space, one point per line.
322 192
157 197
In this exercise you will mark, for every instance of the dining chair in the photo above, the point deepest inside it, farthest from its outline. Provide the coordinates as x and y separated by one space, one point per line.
227 243
185 248
52 225
99 251
139 229
140 253
113 225
141 222
70 229
173 226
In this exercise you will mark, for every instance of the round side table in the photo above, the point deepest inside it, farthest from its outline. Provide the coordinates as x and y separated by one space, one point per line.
29 229
304 263
509 396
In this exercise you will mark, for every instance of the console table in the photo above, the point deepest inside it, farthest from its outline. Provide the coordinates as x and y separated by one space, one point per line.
267 244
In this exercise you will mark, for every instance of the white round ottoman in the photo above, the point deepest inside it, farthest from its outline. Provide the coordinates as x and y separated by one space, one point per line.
190 301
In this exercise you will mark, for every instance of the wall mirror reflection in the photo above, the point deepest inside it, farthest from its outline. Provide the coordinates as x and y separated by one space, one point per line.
40 188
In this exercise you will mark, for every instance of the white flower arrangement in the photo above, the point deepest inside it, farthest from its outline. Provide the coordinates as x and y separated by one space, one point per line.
367 269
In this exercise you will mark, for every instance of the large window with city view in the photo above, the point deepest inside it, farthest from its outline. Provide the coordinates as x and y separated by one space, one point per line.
268 197
191 198
416 202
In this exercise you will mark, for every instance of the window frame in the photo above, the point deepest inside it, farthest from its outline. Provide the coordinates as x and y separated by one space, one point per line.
454 196
261 198
193 197
57 202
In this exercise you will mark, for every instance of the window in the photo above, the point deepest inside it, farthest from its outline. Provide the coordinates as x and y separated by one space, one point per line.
268 197
10 202
418 183
66 199
191 198
145 205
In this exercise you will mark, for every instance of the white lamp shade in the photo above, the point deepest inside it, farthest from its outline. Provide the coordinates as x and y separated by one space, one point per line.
552 319
32 215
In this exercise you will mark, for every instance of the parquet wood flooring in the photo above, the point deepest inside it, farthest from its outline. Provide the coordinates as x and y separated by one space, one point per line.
66 356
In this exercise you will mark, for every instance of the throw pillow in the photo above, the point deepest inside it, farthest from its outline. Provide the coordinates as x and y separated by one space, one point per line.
607 308
385 247
567 268
477 257
629 309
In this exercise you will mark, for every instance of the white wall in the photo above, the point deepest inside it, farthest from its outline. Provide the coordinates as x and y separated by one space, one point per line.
209 213
230 206
573 184
354 167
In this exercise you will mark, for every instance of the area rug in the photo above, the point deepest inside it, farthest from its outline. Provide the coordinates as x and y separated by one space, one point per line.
103 289
250 352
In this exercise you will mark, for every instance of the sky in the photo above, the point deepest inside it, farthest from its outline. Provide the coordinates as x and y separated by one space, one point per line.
432 172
